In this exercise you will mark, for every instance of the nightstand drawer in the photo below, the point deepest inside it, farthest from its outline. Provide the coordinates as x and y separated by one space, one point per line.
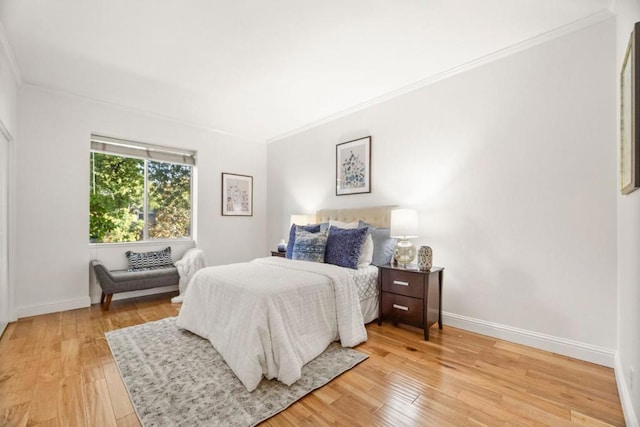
403 283
404 309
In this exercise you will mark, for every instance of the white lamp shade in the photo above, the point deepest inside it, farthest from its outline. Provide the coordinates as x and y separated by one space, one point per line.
404 223
299 219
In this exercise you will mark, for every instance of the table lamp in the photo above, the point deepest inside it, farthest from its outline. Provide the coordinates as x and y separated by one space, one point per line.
299 219
404 226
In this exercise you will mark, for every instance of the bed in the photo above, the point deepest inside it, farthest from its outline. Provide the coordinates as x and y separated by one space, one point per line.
270 316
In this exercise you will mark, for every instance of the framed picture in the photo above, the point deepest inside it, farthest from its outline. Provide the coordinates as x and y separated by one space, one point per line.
237 195
629 111
353 167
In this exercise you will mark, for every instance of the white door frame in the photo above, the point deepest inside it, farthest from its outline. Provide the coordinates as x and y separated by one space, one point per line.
7 311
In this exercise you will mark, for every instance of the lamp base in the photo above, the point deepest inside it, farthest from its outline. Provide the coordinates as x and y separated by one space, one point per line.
404 253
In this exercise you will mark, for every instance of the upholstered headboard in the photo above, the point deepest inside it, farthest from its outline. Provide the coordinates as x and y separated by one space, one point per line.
379 216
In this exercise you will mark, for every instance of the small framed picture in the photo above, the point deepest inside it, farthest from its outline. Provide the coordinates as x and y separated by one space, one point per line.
353 167
237 195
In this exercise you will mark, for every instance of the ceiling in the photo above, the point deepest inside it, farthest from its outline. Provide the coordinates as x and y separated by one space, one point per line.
262 69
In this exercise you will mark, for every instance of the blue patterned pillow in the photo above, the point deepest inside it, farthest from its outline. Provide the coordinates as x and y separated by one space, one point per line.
344 246
309 246
383 244
314 228
139 261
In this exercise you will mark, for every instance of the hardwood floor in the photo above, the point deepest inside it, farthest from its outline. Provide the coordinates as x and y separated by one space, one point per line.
57 370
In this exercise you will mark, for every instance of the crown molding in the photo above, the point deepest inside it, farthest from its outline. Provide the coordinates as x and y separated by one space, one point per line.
4 41
613 6
5 132
585 22
140 111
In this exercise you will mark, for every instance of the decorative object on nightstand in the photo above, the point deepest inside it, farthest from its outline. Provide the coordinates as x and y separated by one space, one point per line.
425 258
278 253
413 297
282 246
404 226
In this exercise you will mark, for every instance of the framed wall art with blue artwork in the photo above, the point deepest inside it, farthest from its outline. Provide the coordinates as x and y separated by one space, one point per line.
353 167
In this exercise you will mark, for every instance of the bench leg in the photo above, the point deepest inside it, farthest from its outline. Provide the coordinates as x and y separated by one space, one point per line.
106 306
102 298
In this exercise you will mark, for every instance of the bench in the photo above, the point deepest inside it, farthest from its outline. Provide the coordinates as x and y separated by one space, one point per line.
116 281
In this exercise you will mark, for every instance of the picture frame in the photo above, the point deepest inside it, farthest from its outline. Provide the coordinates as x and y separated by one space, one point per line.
629 111
353 167
237 195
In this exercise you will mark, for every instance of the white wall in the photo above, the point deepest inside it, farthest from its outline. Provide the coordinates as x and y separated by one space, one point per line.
512 167
628 259
53 252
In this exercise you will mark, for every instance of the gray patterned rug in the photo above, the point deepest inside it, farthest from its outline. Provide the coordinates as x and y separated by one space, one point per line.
176 378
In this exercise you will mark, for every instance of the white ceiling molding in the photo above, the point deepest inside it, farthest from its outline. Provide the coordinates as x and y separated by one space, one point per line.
141 112
12 60
527 44
5 132
264 70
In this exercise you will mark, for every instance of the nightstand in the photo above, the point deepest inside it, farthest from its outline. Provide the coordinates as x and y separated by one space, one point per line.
410 296
280 254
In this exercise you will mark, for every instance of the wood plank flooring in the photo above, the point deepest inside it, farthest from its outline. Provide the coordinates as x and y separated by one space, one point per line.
57 370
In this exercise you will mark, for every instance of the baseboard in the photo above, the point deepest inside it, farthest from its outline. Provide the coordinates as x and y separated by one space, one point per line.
133 294
53 307
625 398
72 304
566 347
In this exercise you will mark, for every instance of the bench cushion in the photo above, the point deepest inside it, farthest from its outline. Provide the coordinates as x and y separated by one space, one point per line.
125 281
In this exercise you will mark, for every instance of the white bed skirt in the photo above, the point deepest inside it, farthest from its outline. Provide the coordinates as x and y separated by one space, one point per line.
369 308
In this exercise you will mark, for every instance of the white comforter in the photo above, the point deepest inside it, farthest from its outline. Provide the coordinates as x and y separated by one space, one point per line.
272 315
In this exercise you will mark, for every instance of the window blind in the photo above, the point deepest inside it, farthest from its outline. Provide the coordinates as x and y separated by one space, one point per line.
105 144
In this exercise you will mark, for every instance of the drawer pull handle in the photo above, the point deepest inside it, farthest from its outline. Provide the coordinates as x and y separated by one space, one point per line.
398 282
400 307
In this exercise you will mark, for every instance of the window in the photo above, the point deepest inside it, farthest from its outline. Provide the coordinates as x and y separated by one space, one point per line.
139 191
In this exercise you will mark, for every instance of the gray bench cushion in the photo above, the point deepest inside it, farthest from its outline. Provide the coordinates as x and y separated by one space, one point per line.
125 281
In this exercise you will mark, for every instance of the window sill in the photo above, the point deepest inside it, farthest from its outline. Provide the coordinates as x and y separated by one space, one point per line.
145 243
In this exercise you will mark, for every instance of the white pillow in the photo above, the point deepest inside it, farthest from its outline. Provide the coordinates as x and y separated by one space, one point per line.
340 224
366 252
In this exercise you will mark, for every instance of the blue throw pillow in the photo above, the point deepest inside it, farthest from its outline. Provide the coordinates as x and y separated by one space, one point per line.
309 246
314 228
383 244
344 246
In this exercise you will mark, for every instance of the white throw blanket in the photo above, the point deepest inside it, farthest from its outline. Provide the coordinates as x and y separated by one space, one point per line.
192 261
271 316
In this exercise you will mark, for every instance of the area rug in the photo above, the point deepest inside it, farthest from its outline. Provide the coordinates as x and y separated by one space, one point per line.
176 378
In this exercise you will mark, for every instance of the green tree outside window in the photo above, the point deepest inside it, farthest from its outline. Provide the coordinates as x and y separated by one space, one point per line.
117 199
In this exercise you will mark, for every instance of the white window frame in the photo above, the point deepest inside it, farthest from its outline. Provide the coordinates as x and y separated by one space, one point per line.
148 152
